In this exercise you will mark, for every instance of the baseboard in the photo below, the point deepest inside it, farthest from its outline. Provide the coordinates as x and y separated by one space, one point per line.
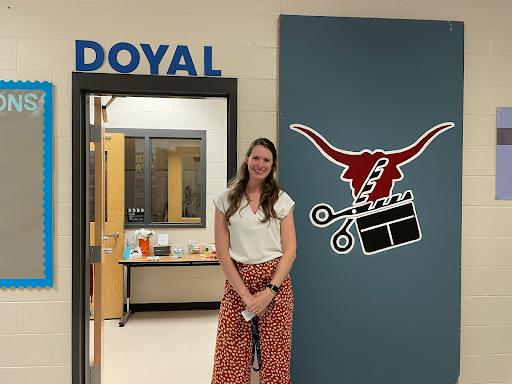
173 306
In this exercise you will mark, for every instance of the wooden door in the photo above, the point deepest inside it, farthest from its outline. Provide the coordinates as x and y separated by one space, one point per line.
106 232
114 224
113 237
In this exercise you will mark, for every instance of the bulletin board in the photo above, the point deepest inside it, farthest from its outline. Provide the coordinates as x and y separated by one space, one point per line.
26 163
370 149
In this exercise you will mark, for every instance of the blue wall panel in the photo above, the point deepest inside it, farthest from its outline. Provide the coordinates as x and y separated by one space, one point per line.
390 317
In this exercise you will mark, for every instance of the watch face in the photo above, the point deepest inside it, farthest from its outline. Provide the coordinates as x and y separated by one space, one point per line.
273 288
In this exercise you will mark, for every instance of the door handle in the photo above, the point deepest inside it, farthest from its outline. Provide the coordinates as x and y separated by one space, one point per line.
107 250
107 236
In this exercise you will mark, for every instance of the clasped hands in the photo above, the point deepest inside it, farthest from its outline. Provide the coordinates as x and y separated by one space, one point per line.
259 302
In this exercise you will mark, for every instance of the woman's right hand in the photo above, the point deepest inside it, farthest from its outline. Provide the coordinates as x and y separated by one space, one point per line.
228 267
259 302
250 303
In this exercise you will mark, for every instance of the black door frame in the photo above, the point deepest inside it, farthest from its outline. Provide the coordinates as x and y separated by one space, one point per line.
123 84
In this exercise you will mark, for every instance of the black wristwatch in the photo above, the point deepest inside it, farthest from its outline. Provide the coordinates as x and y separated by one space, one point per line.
273 288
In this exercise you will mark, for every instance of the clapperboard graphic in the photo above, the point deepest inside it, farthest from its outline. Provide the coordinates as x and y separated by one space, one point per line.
383 220
394 225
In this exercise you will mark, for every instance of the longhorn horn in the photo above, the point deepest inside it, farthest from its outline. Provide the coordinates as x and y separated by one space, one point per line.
405 155
336 155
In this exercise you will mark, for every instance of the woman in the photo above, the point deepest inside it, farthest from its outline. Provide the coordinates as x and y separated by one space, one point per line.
255 240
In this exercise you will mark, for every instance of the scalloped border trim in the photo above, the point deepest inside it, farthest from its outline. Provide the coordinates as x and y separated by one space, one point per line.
47 281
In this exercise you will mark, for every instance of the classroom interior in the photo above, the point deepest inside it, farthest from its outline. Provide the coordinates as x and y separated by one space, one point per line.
177 188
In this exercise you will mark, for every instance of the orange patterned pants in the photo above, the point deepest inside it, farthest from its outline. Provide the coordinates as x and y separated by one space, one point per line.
233 351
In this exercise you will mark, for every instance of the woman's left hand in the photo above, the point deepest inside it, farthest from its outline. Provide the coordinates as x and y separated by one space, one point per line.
263 299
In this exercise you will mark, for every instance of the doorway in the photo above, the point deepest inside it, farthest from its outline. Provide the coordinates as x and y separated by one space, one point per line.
84 85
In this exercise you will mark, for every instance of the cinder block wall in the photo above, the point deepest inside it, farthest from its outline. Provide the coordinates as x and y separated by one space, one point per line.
37 43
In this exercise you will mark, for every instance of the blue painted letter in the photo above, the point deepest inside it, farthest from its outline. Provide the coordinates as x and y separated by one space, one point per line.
18 104
29 104
182 51
80 46
131 66
208 71
154 59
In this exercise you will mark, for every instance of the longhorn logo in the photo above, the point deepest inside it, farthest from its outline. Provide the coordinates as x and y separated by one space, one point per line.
383 220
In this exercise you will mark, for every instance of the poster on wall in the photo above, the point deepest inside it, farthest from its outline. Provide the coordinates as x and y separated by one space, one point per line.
26 163
370 144
504 153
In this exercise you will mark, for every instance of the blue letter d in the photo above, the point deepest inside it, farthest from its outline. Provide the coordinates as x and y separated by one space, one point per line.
80 46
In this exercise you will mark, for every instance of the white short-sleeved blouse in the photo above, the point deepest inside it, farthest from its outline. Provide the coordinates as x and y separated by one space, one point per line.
250 241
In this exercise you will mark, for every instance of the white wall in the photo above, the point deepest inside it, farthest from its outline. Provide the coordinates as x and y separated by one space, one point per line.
37 43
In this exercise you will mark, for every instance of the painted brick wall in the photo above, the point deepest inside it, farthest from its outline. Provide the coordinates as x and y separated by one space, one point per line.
37 43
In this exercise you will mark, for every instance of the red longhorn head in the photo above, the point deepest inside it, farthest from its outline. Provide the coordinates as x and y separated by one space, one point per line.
358 165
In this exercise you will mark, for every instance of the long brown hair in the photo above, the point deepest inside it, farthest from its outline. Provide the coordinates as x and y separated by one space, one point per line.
269 189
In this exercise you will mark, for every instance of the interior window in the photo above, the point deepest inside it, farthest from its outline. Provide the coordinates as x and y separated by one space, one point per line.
174 193
175 180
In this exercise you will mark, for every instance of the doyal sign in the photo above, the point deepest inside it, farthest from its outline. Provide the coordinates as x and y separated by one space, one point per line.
154 58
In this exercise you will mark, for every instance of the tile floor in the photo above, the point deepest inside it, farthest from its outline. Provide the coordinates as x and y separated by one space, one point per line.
175 347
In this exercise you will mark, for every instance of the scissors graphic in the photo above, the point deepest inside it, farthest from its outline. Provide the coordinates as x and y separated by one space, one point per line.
323 215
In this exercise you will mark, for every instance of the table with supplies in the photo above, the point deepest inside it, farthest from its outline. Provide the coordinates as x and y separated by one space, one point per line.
186 259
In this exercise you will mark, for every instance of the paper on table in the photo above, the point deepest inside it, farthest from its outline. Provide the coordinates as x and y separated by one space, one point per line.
163 239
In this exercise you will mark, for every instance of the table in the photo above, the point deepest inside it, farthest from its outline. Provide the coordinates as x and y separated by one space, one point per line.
165 261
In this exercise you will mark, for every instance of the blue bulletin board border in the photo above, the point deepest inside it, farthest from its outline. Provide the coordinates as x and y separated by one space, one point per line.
47 88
